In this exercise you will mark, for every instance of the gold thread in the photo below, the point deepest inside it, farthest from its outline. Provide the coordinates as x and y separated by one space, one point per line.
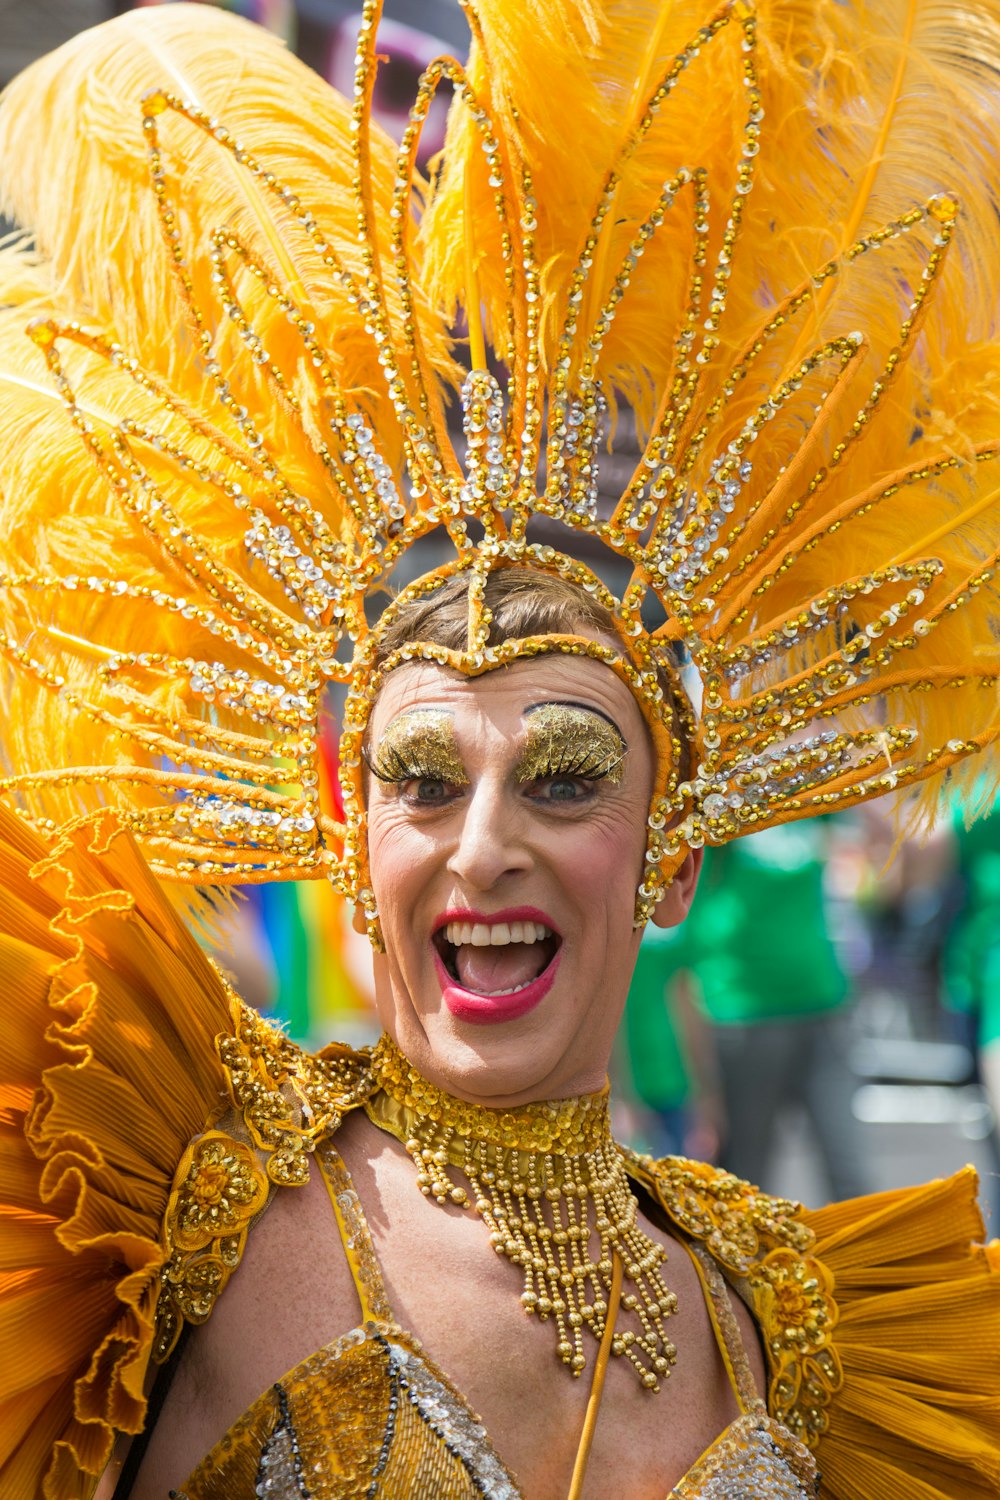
419 743
565 740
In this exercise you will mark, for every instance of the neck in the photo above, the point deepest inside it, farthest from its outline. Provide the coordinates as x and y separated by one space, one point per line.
558 1126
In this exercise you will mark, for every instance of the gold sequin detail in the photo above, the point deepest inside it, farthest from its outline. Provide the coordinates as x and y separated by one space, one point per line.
372 1414
282 1103
754 1459
733 1218
794 1303
214 718
219 1189
419 744
762 1243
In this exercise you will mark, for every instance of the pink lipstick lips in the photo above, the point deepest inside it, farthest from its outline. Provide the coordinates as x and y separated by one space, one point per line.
508 1005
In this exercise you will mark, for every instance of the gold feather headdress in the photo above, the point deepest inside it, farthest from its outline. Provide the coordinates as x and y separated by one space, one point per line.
769 229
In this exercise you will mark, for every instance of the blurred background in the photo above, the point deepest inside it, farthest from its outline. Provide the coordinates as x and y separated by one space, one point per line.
827 1022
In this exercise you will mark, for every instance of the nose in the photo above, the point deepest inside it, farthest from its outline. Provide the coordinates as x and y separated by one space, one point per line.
490 842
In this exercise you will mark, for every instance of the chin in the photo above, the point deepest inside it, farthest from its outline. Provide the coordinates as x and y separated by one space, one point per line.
494 1068
517 1062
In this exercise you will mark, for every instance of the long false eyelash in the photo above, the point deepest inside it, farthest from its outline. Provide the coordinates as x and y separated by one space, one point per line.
587 766
391 767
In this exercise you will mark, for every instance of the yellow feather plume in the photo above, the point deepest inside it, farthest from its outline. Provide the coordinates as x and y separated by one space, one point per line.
76 172
868 113
78 175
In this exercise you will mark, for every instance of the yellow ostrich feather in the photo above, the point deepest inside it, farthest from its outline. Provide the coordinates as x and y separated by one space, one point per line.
863 107
863 104
76 174
75 170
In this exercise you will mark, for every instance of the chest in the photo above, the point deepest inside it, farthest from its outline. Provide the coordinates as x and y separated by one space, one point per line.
449 1289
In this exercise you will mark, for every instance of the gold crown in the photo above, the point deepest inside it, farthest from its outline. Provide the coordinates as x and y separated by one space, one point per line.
230 421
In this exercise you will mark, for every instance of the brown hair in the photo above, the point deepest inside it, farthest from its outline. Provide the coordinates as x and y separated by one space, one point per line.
522 603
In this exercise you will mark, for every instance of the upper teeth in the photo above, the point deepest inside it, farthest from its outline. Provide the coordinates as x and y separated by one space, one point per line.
482 936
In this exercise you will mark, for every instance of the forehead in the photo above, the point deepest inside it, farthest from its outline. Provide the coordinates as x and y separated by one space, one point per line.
500 697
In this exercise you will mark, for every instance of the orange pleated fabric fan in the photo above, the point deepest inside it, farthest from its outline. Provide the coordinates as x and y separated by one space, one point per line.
108 1014
916 1412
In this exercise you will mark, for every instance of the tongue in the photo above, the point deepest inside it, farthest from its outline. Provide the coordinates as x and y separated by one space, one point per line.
486 971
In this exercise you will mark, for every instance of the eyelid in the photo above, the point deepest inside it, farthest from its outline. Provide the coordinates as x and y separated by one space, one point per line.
570 739
584 784
400 773
449 787
420 743
598 768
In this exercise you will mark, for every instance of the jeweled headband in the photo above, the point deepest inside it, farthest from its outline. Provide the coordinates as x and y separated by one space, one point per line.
766 229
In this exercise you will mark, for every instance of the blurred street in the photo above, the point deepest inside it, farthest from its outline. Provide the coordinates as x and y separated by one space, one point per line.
911 1133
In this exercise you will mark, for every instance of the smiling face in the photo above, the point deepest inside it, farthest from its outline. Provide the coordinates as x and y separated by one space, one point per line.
506 828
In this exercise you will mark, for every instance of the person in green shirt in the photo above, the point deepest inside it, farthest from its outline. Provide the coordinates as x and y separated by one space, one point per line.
667 1065
771 982
971 959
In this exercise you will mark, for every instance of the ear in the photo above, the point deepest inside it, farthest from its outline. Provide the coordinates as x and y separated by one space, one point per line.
677 898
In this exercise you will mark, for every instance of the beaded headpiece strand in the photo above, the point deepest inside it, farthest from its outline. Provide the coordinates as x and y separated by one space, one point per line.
228 358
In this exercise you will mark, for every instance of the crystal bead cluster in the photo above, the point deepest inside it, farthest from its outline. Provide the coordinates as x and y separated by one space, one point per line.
221 773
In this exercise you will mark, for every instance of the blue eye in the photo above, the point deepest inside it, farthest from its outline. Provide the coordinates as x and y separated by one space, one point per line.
562 789
428 790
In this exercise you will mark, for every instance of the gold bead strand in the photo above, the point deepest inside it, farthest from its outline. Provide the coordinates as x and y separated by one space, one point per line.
219 582
636 509
373 306
318 532
944 211
428 398
689 441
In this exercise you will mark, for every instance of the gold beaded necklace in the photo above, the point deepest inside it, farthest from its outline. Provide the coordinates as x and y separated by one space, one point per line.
545 1178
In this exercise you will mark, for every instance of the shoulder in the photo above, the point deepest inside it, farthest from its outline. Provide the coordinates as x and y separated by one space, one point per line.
254 1270
764 1247
735 1221
283 1101
291 1295
879 1318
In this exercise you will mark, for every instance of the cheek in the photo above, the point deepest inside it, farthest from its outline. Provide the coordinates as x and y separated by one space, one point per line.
398 852
603 859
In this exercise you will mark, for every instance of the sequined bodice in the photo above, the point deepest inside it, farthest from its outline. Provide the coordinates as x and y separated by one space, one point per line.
370 1415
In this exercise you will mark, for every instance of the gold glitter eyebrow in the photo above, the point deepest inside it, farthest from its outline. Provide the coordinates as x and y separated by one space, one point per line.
571 739
418 743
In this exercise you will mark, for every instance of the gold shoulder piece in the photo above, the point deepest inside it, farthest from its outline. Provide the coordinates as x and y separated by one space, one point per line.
284 1101
736 1221
764 1246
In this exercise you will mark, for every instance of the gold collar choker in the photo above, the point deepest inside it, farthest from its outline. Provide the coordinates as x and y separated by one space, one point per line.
549 1183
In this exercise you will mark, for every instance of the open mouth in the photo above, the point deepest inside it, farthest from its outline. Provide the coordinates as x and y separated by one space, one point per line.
496 958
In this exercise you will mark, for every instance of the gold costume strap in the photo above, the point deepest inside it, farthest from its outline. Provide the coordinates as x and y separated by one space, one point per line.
355 1236
597 1384
725 1327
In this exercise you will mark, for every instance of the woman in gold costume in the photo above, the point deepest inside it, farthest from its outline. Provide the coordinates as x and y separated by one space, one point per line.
228 367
